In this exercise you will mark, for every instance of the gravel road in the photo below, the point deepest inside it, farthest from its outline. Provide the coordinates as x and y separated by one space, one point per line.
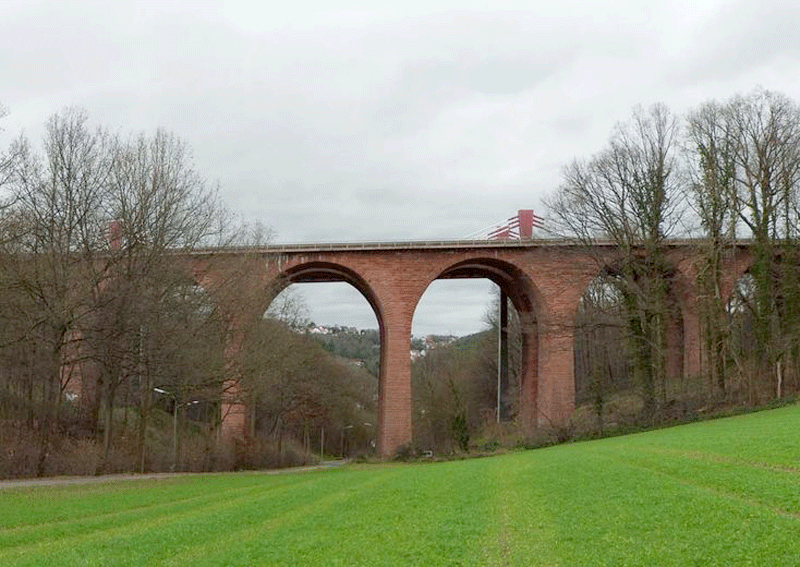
82 480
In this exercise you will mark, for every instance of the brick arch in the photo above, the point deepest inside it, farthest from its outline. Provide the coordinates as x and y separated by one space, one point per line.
596 277
736 267
526 298
317 271
329 272
512 279
394 384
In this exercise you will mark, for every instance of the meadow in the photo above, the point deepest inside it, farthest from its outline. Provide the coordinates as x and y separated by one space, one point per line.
722 492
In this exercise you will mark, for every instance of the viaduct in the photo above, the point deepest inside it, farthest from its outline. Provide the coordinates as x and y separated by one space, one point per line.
544 279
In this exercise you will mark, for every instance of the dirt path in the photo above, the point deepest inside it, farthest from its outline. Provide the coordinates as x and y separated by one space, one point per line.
83 480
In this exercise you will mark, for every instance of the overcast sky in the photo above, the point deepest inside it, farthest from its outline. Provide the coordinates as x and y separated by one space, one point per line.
333 121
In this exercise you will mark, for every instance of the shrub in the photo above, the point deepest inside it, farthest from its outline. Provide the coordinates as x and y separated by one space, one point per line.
256 453
404 452
460 431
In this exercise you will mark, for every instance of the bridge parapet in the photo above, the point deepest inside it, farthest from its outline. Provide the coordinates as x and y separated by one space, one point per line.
687 243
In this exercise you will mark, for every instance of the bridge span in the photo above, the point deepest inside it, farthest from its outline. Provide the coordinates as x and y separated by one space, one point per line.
544 279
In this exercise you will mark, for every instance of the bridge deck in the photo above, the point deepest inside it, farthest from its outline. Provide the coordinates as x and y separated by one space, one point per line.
424 245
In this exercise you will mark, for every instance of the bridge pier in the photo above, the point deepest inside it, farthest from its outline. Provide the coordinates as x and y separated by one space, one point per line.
555 393
394 388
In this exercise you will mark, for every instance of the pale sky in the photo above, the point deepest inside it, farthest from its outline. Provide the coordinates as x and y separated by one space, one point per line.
334 121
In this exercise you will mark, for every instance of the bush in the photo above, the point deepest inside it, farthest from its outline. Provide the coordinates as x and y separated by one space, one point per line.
460 431
405 452
255 453
490 445
63 455
20 454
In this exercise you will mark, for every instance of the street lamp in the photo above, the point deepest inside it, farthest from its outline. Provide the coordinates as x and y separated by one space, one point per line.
371 441
175 406
344 430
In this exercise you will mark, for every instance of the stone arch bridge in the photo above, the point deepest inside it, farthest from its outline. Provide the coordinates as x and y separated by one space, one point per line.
544 279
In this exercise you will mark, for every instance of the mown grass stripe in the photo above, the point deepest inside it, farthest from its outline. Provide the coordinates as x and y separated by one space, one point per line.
774 490
28 506
723 459
255 529
523 526
72 544
83 522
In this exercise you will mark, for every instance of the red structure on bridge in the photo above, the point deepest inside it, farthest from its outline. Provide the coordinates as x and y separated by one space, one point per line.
544 279
518 227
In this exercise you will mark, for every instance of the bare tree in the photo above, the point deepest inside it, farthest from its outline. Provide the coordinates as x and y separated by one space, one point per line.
5 163
293 387
628 194
766 127
91 271
290 308
54 229
601 367
711 154
160 206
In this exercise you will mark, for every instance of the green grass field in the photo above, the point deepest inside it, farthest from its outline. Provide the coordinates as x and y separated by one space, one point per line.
723 492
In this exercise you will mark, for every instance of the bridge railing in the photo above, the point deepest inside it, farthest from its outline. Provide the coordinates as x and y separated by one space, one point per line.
418 245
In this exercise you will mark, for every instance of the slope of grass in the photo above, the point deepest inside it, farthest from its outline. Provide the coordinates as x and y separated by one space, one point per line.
723 492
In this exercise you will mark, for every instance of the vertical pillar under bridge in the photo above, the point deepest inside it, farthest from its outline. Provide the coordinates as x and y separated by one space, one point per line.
394 396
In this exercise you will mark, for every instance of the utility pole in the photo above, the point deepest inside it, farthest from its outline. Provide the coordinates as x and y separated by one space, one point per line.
502 352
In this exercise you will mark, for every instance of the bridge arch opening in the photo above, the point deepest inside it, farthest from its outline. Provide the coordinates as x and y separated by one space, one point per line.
602 364
329 273
741 310
629 347
762 339
323 326
763 357
491 351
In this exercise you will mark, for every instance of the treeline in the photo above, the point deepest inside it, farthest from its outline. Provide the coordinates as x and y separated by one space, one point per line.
112 356
725 173
362 346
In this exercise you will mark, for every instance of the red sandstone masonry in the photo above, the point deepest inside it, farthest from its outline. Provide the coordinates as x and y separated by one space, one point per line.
544 280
